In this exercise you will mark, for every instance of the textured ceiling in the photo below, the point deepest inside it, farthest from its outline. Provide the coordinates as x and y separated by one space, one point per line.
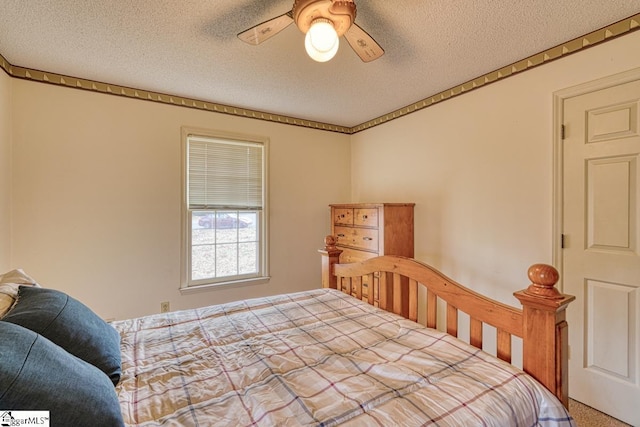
189 48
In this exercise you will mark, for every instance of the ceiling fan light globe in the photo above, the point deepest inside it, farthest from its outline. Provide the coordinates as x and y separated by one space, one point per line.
322 35
321 41
319 56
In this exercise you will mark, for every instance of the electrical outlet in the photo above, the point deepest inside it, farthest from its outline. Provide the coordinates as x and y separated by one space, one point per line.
164 307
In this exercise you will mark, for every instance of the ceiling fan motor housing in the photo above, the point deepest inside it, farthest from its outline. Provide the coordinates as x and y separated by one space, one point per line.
341 13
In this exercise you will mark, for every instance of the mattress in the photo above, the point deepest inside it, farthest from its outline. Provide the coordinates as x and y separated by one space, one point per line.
316 358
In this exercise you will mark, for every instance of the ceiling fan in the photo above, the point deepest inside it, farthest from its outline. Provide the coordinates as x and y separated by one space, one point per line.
323 22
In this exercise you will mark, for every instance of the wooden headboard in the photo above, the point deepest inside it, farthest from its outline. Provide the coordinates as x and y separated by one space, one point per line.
392 283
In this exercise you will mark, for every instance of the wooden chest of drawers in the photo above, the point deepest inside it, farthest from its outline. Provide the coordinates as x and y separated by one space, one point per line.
367 230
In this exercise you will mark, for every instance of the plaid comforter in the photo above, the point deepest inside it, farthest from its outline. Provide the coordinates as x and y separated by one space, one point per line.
317 358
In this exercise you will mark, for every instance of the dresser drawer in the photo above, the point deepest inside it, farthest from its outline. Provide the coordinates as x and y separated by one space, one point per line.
343 235
361 238
352 255
343 216
365 217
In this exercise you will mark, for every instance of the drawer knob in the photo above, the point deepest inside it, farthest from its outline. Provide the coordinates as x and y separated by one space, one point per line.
367 238
365 216
340 235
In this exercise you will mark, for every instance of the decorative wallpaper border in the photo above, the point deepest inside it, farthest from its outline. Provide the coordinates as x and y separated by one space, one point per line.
617 29
596 37
111 89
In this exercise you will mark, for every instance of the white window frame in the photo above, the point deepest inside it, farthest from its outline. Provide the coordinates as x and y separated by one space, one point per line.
262 276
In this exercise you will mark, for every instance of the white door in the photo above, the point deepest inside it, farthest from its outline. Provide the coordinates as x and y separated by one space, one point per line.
601 255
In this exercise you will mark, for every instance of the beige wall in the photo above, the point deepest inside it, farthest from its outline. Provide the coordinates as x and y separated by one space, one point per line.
97 190
96 185
480 170
5 171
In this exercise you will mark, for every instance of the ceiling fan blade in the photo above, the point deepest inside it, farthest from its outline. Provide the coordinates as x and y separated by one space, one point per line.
266 30
363 44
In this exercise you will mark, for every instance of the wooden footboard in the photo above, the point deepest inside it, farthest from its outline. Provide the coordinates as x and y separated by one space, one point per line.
393 283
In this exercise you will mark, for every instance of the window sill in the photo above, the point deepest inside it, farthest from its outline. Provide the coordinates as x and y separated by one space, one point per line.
220 285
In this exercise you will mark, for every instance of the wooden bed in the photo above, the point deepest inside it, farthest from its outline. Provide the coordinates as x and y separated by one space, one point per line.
393 283
326 357
321 357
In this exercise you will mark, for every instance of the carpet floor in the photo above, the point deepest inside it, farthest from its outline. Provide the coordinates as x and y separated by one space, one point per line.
586 416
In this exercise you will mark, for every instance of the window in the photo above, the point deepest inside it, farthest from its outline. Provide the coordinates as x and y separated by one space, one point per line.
224 209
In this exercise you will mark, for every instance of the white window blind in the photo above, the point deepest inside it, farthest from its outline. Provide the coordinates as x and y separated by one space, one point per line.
224 174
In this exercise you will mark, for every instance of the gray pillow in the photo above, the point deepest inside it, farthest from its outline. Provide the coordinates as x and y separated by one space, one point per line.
36 374
70 324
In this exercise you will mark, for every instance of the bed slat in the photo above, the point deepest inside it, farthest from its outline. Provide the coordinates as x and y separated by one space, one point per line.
397 294
371 288
347 285
357 283
452 320
413 300
476 333
432 310
383 294
504 346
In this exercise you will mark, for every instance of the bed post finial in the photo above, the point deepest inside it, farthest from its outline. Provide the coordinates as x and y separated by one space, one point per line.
543 281
330 243
545 330
330 257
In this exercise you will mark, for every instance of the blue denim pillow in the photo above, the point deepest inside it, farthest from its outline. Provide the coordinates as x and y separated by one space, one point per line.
36 374
70 324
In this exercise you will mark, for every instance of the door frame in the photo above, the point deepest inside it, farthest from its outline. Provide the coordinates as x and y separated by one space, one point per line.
558 178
